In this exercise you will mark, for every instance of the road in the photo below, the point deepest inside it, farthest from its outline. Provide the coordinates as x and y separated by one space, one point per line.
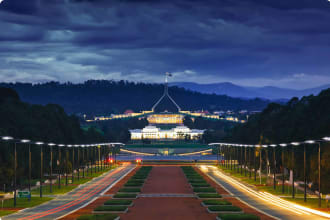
264 202
74 200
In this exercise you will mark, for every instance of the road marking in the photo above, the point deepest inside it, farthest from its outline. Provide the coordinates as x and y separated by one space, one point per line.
102 194
255 208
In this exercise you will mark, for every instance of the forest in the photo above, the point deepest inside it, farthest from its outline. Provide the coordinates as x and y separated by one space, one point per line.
103 97
299 120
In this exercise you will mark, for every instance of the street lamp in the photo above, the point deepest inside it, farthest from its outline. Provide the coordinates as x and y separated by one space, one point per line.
283 177
25 141
78 160
41 165
8 138
51 167
59 164
293 144
274 164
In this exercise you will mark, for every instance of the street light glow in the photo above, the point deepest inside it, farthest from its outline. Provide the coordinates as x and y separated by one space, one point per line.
295 143
326 138
51 144
310 142
283 145
7 138
39 143
25 141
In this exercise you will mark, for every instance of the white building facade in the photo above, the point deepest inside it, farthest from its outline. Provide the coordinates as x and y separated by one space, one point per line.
179 132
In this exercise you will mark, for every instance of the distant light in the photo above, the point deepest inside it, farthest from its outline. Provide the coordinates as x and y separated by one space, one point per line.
61 145
51 144
295 143
39 143
7 138
264 145
326 138
25 141
283 145
310 142
273 145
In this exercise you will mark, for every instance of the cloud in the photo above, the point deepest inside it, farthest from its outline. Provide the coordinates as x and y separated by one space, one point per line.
247 42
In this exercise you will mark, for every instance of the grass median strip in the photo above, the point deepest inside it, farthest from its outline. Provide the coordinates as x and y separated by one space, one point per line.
200 185
98 217
125 196
209 195
212 202
204 190
114 208
133 184
224 208
238 217
123 202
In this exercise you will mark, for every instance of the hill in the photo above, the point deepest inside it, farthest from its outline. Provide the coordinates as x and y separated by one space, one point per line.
267 92
99 97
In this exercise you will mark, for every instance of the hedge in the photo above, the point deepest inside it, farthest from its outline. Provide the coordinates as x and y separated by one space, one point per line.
98 217
238 217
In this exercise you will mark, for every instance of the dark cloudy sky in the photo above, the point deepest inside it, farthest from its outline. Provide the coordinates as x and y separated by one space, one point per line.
282 43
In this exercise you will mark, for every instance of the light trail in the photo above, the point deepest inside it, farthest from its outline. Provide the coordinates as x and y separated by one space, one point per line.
267 197
72 203
135 152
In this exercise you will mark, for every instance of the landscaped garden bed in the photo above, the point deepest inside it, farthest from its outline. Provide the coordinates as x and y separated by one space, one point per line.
204 190
200 185
224 209
212 202
125 196
99 217
133 184
237 217
119 202
208 195
110 209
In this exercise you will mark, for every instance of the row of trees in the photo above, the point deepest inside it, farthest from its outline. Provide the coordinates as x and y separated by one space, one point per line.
101 97
38 123
298 120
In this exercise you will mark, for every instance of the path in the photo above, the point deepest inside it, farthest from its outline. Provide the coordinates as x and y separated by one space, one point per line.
79 197
167 195
263 202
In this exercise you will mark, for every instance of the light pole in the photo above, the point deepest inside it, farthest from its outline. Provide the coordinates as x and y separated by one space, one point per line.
59 164
83 159
274 165
67 165
8 138
283 176
39 143
72 177
51 167
292 158
78 160
254 161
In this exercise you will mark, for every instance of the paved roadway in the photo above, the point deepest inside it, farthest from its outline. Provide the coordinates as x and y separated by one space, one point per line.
76 199
266 203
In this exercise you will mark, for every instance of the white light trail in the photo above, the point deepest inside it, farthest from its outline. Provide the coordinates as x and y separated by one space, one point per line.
267 197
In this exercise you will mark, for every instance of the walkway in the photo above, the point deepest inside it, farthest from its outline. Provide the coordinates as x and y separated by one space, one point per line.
263 202
166 195
78 198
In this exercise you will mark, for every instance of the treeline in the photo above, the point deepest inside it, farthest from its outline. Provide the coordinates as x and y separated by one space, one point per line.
298 120
101 97
215 130
38 123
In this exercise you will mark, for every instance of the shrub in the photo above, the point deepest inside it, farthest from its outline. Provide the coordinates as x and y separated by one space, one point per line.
135 181
205 189
197 181
216 202
133 184
238 217
98 217
125 195
209 195
224 208
118 202
110 208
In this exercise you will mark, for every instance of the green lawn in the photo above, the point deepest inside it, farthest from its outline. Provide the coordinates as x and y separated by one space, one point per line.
25 203
311 202
5 212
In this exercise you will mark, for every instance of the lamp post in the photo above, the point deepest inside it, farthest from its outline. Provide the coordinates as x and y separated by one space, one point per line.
283 177
254 162
8 138
30 165
59 164
41 165
83 159
67 165
78 161
292 157
51 167
305 177
72 177
274 165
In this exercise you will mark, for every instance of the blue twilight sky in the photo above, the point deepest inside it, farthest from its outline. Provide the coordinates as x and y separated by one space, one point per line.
283 43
